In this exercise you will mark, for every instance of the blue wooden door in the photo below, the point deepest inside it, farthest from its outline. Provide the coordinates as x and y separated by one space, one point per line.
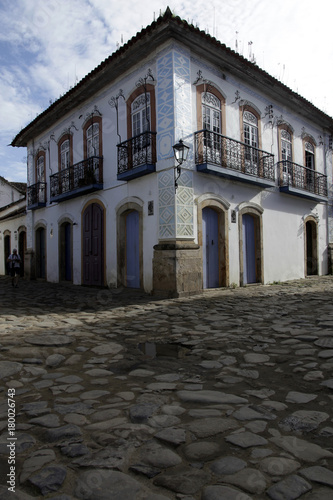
249 250
210 244
132 250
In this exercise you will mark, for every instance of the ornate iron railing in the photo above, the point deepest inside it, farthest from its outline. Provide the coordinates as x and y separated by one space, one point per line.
216 149
83 174
137 151
36 194
299 177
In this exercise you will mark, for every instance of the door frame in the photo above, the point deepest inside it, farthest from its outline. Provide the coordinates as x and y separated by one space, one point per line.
256 211
221 206
310 220
7 249
103 267
38 229
122 212
22 242
62 248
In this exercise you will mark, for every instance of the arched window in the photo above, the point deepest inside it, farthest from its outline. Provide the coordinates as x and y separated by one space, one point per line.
140 147
140 113
210 122
251 140
250 128
286 145
310 163
92 166
65 156
309 155
211 112
40 167
286 154
92 138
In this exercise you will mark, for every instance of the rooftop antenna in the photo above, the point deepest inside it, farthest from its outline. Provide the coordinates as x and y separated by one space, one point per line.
236 41
250 49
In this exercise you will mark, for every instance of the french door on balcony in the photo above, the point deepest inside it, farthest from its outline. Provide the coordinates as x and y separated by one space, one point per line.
93 245
251 139
141 119
211 123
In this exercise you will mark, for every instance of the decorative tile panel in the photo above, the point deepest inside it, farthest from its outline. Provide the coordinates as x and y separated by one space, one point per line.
166 202
184 205
165 112
174 123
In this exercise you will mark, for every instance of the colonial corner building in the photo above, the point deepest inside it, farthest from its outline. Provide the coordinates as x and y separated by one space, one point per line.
107 206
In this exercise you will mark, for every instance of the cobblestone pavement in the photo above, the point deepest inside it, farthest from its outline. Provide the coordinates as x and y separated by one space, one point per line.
119 395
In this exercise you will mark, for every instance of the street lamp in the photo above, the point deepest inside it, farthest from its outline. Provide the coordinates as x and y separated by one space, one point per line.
180 151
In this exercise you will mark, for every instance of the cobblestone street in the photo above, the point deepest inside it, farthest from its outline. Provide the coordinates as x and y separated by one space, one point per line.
226 395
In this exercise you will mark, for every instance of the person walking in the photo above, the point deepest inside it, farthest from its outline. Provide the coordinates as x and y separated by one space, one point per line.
14 261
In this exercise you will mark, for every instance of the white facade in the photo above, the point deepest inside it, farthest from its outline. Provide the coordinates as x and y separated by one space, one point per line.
12 221
225 172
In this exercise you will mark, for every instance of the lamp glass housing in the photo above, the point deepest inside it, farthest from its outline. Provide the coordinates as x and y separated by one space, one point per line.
180 151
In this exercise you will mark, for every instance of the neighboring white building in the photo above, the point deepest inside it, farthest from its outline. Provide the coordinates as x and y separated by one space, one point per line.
251 203
13 206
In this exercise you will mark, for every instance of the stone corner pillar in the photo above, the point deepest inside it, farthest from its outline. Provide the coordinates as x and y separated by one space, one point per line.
29 264
177 268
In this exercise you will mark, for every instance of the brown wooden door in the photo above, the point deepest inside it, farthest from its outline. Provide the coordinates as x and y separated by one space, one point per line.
93 258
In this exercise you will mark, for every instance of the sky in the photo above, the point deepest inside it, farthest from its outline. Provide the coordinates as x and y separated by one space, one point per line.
47 46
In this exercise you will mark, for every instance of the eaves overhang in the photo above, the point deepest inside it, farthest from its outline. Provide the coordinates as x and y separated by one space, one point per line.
142 45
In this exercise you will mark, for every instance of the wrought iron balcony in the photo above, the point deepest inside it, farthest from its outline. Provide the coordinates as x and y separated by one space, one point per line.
36 194
81 178
137 156
226 157
302 181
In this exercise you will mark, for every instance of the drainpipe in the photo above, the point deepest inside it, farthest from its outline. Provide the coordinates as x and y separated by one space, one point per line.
328 246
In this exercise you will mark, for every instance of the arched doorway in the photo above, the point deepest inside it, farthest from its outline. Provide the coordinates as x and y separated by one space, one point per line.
66 252
93 245
130 245
7 250
210 248
132 263
311 253
22 245
250 244
213 239
249 250
41 253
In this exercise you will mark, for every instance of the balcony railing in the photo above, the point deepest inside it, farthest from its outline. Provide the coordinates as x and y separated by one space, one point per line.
87 175
223 152
137 156
36 194
294 177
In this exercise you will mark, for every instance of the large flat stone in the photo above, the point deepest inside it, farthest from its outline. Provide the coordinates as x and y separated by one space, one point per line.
9 368
50 340
309 452
246 439
210 397
318 475
289 489
103 484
